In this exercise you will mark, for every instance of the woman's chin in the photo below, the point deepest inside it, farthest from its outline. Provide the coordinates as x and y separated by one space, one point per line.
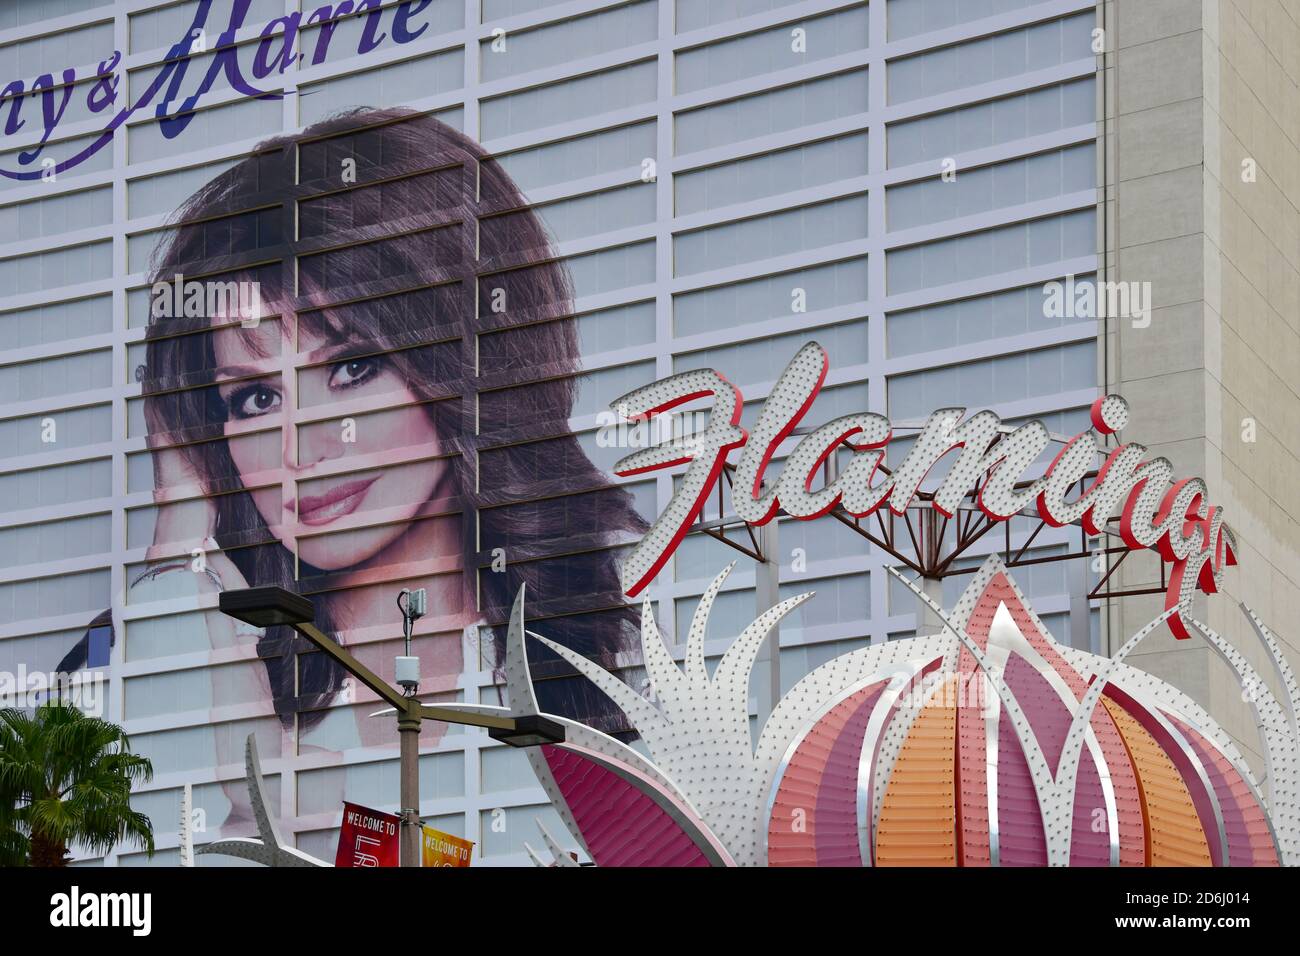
332 561
356 555
347 550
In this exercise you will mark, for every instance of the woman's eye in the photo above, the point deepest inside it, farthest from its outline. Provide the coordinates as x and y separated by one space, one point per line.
251 402
353 372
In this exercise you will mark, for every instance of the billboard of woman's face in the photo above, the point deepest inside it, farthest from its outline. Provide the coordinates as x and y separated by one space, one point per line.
392 411
311 461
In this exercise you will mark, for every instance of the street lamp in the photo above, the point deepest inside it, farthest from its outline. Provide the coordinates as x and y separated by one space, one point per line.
270 606
530 730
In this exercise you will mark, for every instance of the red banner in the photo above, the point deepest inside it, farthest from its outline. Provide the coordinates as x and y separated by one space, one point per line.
368 838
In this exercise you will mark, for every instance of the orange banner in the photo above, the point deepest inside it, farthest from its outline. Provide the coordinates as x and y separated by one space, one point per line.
443 849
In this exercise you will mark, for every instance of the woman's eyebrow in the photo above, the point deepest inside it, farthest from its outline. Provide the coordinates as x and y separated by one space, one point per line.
229 372
327 354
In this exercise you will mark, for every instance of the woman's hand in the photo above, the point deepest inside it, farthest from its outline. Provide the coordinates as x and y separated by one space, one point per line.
184 532
184 524
190 523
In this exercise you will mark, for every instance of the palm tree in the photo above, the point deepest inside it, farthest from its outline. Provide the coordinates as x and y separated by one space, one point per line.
66 778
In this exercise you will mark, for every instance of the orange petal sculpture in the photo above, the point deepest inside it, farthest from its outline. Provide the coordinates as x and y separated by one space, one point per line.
988 744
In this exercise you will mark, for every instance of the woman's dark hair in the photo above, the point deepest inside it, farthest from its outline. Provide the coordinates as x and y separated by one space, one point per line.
410 241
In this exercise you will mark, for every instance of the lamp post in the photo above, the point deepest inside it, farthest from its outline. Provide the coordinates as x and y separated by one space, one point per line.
270 606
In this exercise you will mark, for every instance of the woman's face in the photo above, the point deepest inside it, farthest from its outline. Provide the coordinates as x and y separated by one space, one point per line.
319 398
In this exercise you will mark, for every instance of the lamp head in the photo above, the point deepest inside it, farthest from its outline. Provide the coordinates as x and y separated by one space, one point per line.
266 606
530 730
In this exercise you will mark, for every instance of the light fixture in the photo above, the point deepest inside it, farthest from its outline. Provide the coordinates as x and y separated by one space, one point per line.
266 606
269 606
530 730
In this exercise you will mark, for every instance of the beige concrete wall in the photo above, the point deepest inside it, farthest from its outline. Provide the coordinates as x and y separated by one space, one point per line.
1189 90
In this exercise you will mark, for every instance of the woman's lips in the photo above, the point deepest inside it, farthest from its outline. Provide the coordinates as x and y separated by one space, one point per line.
338 501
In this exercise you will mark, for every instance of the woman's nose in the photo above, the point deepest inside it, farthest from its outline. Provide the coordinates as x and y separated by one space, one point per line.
289 445
316 442
309 443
